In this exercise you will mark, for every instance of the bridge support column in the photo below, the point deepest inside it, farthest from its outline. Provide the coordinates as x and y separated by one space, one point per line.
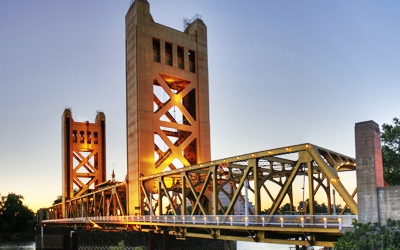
369 170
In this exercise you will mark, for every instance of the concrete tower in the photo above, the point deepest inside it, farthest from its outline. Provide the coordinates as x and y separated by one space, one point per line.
166 98
84 155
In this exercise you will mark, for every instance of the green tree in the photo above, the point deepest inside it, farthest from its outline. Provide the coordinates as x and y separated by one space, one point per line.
14 215
286 208
371 236
390 138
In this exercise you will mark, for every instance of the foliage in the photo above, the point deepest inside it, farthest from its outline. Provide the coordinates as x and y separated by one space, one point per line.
391 152
371 236
58 200
14 215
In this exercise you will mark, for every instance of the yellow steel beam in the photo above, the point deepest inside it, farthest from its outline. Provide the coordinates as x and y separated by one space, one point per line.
194 192
332 177
237 192
169 198
202 192
283 191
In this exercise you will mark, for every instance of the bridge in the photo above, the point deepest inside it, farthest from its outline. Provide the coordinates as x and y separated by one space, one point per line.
172 185
201 183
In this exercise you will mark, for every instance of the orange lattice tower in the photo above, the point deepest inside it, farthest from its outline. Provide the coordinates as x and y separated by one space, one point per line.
84 155
167 97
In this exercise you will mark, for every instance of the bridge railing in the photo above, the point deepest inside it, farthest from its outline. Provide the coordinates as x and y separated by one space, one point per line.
323 221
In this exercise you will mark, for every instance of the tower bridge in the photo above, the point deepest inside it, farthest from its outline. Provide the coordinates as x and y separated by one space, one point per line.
173 186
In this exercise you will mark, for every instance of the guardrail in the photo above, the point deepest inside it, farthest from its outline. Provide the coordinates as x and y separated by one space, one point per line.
323 221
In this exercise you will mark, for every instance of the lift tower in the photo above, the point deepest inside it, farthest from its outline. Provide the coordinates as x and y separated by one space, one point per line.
166 98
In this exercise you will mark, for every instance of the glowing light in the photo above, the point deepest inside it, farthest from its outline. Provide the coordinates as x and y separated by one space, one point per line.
339 219
307 146
245 218
238 158
287 149
324 218
301 218
230 218
354 164
224 160
212 163
332 180
253 155
204 217
262 218
281 218
348 163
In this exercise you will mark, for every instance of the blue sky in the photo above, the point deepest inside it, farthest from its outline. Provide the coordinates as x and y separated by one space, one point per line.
280 73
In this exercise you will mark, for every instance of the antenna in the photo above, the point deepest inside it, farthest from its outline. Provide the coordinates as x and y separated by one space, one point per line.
187 21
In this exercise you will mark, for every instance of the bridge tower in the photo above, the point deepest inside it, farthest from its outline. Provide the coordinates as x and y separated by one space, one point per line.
84 155
166 98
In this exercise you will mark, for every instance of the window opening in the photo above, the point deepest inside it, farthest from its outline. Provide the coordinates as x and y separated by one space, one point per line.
192 65
74 136
81 137
95 135
156 50
168 54
89 137
181 60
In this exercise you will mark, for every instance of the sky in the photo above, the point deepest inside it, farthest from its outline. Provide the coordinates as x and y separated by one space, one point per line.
280 73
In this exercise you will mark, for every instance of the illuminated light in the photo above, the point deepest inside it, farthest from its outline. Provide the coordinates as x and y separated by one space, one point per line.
332 180
281 218
339 219
204 217
253 155
238 157
217 218
341 164
339 178
183 218
201 165
348 163
230 218
181 169
337 167
212 163
192 218
354 164
165 218
173 217
324 218
301 218
224 160
262 218
307 146
245 218
287 149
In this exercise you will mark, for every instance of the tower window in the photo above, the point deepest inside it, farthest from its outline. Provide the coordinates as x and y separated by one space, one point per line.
181 61
74 136
192 64
95 135
81 137
89 137
168 54
156 50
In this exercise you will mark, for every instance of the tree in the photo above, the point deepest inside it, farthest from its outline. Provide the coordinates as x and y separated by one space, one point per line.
286 208
390 138
14 215
371 236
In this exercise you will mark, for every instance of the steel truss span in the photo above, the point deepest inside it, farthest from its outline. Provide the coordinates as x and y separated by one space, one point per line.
203 184
168 197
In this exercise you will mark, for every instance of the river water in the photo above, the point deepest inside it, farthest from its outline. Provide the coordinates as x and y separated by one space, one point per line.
241 245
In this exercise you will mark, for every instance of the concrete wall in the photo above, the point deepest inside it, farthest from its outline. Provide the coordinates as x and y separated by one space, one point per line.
376 203
389 203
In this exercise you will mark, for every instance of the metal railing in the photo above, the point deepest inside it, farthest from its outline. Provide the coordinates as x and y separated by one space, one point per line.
322 221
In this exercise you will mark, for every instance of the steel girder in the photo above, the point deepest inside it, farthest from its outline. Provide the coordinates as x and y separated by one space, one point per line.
203 183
